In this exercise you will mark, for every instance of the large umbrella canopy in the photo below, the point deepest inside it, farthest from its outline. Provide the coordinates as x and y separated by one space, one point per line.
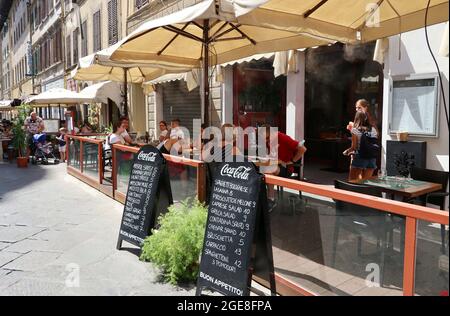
100 67
58 96
348 21
179 38
101 92
211 28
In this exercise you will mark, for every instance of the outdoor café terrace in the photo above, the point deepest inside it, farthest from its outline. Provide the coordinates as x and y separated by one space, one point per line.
326 240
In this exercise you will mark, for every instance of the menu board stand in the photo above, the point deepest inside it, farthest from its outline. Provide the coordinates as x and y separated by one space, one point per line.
149 195
237 238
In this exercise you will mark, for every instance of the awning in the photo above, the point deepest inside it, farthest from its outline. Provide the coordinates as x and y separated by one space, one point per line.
57 96
178 38
347 21
101 92
192 79
443 49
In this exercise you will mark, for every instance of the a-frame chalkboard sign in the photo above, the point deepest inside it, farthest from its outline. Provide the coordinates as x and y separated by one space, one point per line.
149 194
237 241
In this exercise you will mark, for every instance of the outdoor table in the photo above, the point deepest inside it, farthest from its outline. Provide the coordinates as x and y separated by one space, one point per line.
404 187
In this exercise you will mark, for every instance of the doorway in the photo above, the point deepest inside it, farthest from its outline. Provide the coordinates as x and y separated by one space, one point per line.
336 77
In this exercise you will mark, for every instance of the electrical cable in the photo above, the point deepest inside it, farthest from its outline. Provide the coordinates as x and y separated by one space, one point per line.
436 63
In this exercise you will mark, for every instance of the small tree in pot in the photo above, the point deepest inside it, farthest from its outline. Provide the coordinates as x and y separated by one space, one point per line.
19 140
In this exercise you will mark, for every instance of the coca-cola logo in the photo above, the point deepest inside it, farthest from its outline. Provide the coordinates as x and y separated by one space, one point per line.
147 156
240 172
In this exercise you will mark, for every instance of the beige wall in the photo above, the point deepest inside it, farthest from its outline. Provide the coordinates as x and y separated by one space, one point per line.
19 50
87 10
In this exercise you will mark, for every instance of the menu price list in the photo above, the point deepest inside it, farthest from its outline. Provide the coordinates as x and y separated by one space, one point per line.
139 197
229 232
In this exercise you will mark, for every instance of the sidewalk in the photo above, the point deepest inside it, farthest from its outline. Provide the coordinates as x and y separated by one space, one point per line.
54 228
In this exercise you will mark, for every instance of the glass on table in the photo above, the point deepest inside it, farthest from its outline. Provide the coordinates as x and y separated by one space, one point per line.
382 174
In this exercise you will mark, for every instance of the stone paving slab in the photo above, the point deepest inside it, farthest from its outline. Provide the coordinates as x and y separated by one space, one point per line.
17 233
32 261
8 278
7 257
27 287
4 245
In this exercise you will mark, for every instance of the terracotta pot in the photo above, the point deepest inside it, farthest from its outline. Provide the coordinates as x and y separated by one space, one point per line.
22 162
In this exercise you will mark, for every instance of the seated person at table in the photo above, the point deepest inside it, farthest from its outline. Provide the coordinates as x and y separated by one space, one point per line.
116 137
288 152
126 122
176 137
164 132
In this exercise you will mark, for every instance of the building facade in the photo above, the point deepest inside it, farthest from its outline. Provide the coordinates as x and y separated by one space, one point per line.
19 32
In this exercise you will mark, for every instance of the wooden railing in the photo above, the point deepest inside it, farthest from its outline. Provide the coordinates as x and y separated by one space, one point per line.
198 165
412 213
80 172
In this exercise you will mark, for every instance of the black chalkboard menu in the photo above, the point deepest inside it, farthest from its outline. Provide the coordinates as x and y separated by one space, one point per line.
149 194
237 237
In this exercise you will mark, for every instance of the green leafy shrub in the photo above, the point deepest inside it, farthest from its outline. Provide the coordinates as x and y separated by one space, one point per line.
175 247
19 138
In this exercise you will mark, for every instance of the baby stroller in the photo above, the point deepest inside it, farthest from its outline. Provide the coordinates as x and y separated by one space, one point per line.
43 150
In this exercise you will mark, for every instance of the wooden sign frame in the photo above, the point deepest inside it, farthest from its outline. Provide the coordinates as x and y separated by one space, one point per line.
162 198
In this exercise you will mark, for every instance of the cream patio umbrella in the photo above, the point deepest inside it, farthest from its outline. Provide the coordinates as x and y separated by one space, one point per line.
348 21
101 92
211 28
57 96
100 67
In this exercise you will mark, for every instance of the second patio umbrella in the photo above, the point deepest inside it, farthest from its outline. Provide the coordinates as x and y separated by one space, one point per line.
100 67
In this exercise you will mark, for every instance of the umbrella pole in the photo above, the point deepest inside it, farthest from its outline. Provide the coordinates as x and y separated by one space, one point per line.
205 66
125 80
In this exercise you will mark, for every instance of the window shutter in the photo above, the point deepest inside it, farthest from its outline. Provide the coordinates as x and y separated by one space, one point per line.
113 35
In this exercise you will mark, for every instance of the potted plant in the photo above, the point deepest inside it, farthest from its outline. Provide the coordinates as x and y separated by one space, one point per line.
19 138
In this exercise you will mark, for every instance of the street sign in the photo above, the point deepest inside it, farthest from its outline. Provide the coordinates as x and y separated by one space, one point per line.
149 194
237 237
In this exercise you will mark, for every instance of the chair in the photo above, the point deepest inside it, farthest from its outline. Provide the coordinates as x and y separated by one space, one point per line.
361 221
434 198
297 175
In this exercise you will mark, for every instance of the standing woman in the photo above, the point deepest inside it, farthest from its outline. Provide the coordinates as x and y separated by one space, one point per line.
361 168
362 105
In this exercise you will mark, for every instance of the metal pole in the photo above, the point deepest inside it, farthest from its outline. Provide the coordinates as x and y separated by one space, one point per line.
205 66
125 80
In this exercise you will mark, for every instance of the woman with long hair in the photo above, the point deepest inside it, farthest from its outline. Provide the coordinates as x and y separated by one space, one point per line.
361 168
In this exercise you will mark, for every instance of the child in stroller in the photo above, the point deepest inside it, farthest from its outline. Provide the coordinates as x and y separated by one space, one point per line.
43 150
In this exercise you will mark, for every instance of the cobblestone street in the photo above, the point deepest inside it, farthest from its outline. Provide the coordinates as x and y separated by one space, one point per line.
54 228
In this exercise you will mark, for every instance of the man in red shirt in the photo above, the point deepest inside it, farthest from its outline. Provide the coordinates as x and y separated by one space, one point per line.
288 150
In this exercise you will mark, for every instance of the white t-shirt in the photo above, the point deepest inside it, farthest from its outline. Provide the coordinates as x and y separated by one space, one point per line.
115 139
164 133
176 133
